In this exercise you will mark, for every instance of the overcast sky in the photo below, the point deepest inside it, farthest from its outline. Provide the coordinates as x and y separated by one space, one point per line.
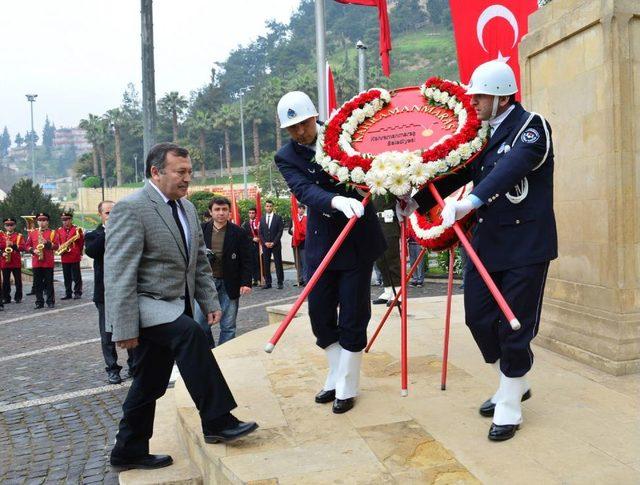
79 55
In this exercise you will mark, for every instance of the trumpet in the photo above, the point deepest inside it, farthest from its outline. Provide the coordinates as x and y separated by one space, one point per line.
65 247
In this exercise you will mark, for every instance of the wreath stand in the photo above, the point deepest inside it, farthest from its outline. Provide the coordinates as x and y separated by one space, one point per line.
495 292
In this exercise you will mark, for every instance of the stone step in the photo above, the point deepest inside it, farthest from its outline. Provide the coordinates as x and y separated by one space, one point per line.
166 440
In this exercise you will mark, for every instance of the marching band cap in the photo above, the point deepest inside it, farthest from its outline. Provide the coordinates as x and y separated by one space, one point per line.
9 219
67 214
42 214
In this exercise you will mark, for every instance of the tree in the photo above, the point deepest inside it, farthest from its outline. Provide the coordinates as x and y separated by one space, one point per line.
48 134
173 104
5 143
255 111
268 176
19 140
96 134
116 119
24 199
273 91
225 119
200 122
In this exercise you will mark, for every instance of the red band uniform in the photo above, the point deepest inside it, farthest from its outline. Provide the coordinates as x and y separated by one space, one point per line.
71 258
43 265
11 265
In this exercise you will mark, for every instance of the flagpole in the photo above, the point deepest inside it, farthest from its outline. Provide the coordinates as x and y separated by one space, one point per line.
321 60
362 75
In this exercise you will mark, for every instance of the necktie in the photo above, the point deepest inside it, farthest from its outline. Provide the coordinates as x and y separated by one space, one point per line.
269 221
174 211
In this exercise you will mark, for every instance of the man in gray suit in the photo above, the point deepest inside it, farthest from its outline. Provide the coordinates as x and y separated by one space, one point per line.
154 264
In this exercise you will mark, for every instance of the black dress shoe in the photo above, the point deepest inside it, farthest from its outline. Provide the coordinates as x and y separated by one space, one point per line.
38 306
266 287
280 286
77 297
487 408
324 397
147 462
114 377
398 303
502 432
231 433
51 305
380 301
343 405
66 297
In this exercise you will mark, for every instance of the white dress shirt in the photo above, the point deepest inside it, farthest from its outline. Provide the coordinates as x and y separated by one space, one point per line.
497 121
181 215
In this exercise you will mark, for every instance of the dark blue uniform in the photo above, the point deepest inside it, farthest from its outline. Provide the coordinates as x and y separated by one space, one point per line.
515 235
347 280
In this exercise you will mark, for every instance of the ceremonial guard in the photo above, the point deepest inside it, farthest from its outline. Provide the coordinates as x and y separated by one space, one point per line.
515 235
41 243
11 262
71 240
347 280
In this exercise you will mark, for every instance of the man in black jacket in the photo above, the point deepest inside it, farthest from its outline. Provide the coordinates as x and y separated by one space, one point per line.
271 227
94 248
229 252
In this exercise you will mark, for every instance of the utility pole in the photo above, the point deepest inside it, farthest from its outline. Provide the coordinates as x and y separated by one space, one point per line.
362 66
321 60
148 77
32 142
221 174
135 161
244 155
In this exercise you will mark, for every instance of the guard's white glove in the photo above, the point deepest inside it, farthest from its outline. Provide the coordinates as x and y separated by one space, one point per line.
410 206
454 210
348 206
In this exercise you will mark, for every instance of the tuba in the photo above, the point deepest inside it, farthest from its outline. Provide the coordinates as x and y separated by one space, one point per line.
31 222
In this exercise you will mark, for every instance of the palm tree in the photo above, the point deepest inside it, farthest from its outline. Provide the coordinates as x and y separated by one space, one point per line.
173 103
226 118
273 91
96 133
254 111
200 122
115 118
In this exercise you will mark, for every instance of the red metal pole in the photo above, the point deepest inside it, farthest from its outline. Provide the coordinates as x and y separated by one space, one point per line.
447 321
395 300
403 305
314 279
502 303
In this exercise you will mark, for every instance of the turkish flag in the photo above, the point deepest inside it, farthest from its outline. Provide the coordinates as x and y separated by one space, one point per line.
487 30
385 29
235 210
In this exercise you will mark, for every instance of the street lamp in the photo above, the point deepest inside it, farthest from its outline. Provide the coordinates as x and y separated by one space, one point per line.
244 155
31 98
220 147
362 80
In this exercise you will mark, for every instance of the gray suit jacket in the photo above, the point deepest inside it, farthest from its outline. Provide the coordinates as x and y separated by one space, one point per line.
145 265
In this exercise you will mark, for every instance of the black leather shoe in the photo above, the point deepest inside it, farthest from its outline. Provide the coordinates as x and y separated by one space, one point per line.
147 462
487 408
398 303
51 305
280 286
77 297
380 301
38 306
266 287
114 377
324 397
128 374
502 433
66 297
232 433
343 405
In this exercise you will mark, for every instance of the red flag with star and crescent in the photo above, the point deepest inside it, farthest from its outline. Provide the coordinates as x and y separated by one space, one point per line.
487 30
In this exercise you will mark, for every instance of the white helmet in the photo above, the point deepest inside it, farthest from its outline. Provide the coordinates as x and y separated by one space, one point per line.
295 107
493 77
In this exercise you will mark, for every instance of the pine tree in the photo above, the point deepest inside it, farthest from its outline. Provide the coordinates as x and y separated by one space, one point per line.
24 199
5 143
19 140
48 134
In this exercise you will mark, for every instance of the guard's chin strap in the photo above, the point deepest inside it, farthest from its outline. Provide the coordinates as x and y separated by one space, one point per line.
494 111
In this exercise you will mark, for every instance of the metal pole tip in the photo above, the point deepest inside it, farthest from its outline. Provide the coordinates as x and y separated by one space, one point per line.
269 348
515 324
404 393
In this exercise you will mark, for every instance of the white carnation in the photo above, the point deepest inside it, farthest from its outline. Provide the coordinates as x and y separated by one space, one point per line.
332 168
357 175
453 159
476 144
369 110
465 151
343 174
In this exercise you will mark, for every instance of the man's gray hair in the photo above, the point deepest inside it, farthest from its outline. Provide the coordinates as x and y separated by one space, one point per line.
157 156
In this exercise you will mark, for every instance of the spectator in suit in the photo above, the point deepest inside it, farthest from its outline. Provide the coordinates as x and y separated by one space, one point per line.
229 253
271 227
251 227
94 248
